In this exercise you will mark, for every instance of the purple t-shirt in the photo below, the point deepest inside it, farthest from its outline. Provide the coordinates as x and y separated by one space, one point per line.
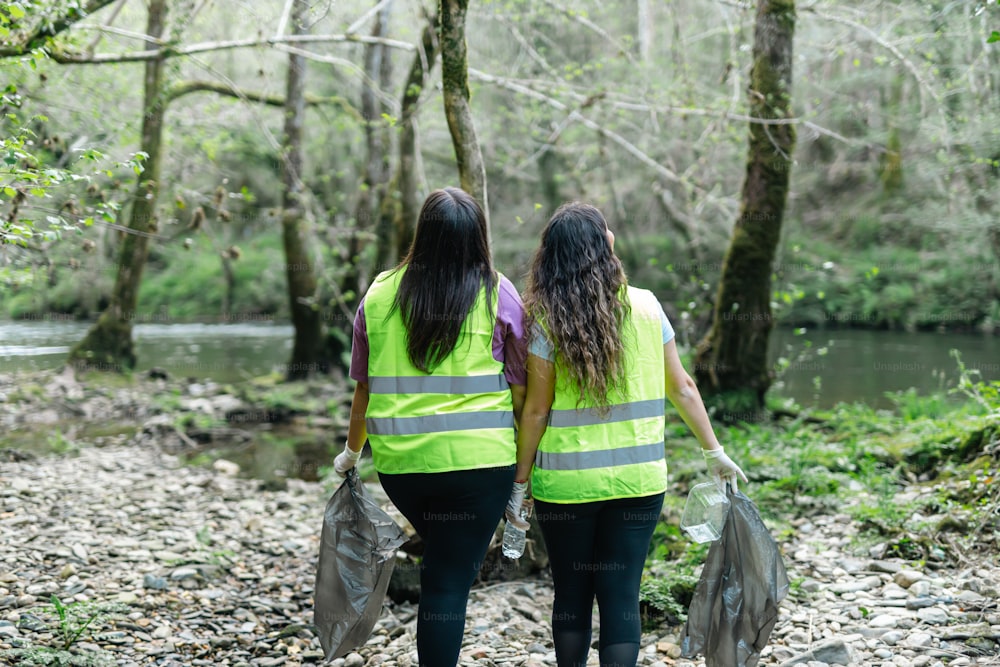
509 340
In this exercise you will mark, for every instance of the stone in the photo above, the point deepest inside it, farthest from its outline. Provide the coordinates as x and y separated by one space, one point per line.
919 640
865 584
354 660
225 467
883 621
832 652
933 615
183 573
893 637
80 551
906 578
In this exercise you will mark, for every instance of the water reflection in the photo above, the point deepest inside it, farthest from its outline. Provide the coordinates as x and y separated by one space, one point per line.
828 367
224 352
825 366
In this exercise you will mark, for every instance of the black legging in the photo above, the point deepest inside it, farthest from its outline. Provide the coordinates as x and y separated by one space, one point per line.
597 548
455 513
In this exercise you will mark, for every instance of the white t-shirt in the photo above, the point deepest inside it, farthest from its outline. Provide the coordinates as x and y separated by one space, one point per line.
542 347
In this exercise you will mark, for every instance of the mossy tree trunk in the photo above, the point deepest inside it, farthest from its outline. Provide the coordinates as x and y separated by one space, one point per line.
891 161
731 366
308 349
108 344
367 213
455 83
406 179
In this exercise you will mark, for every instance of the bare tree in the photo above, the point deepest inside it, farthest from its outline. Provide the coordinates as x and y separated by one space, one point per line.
308 356
455 81
406 179
108 344
378 67
731 362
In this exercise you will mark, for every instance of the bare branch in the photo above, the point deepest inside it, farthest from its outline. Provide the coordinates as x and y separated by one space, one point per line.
922 85
535 55
108 29
354 27
204 47
685 111
283 23
182 88
629 147
347 64
107 24
584 21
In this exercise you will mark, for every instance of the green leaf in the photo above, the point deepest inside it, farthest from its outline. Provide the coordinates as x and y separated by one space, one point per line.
995 37
15 11
9 191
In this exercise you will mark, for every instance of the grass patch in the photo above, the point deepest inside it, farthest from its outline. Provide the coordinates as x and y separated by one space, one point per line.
919 479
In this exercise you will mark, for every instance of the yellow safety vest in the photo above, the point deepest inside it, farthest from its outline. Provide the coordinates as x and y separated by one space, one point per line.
458 417
584 456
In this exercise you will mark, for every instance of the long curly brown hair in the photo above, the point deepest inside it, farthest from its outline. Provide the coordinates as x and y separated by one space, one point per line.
576 292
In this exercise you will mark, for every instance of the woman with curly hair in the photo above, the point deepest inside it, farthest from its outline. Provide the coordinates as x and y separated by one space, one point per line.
602 361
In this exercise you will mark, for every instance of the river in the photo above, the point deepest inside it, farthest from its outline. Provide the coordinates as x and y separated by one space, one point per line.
837 366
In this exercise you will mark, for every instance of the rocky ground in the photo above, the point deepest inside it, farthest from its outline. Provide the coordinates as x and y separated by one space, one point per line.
210 569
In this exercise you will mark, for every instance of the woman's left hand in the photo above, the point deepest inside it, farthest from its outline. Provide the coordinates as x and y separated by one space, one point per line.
515 503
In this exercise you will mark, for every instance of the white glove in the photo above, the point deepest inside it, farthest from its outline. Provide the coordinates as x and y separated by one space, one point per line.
722 468
345 460
513 511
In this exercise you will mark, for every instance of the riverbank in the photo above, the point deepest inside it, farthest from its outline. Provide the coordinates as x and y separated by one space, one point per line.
214 568
867 284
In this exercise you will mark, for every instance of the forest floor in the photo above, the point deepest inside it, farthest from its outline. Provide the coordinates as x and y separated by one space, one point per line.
195 565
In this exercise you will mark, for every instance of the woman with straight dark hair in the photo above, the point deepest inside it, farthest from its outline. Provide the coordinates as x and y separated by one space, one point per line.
602 361
438 358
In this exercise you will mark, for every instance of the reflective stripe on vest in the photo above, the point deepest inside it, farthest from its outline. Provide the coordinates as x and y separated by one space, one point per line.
458 417
439 423
587 456
618 413
481 384
602 458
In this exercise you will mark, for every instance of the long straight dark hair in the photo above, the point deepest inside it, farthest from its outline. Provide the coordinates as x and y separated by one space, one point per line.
575 290
448 264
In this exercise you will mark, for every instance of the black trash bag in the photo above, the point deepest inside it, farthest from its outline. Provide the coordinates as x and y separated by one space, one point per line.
356 558
735 603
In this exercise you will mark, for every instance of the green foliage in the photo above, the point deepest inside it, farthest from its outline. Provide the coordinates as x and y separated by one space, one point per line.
666 596
43 656
68 623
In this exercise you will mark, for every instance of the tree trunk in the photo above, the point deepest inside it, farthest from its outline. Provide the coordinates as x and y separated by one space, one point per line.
409 206
229 286
731 366
455 82
550 165
644 28
377 68
384 213
108 345
891 161
308 357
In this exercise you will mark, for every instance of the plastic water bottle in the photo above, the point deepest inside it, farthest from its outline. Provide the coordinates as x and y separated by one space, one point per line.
705 513
513 538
